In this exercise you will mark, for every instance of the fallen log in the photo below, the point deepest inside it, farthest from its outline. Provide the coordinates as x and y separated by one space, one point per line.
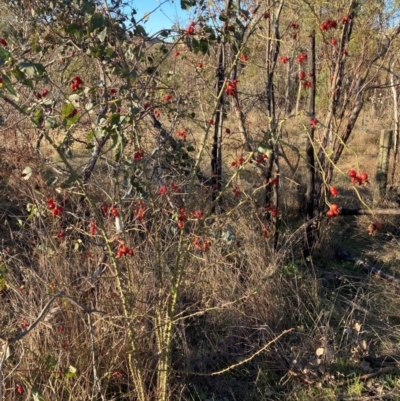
367 268
369 212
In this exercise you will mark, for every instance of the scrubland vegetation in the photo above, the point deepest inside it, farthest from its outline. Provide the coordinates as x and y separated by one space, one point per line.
200 214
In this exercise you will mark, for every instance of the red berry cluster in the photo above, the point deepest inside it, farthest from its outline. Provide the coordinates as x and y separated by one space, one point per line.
44 93
113 91
182 133
283 59
374 228
358 179
109 211
272 209
333 191
55 210
104 210
163 190
168 97
61 234
333 210
274 182
302 57
157 114
328 24
92 227
138 155
140 210
114 211
201 245
175 187
190 29
236 191
313 122
231 89
123 250
76 83
244 58
198 214
302 75
146 105
307 84
238 162
293 25
3 42
182 217
346 18
261 158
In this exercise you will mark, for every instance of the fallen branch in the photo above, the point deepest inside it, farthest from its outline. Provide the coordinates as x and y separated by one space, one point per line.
369 212
366 376
367 268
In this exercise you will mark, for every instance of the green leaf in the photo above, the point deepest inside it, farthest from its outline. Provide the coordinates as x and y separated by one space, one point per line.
50 123
66 110
69 181
96 22
132 76
51 362
90 136
49 177
31 69
3 276
102 35
187 4
7 84
36 394
140 31
88 7
73 28
27 68
18 74
4 55
38 117
116 119
204 46
71 372
66 114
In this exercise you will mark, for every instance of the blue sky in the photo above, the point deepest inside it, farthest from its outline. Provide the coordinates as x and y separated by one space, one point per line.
164 17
